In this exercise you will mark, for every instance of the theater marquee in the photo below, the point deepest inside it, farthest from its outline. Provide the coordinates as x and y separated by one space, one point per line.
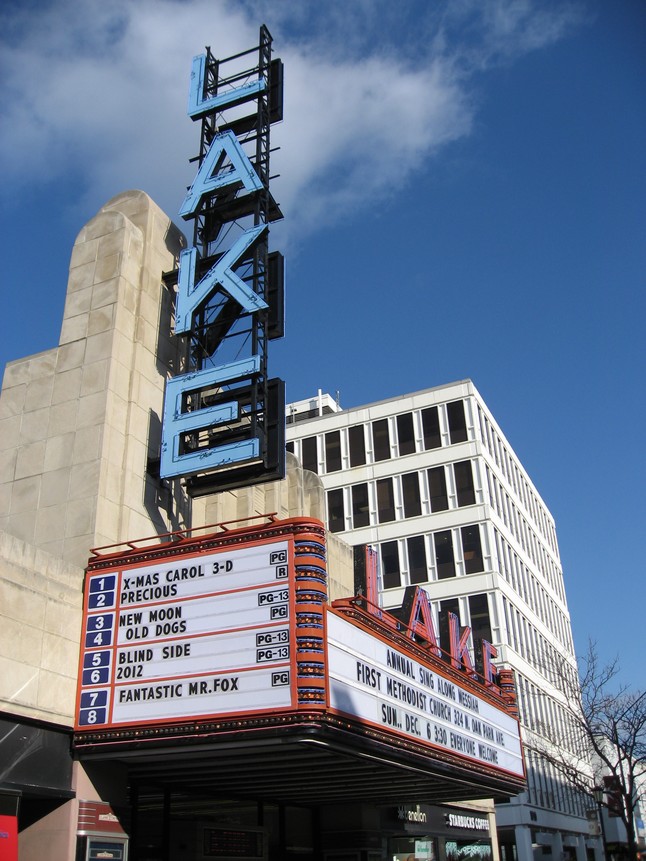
233 630
385 687
202 634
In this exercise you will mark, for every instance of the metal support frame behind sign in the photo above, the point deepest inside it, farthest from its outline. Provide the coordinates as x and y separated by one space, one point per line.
223 422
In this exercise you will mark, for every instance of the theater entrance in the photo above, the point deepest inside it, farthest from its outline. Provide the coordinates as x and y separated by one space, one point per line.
188 826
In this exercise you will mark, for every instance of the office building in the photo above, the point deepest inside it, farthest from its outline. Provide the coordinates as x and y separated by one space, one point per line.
431 482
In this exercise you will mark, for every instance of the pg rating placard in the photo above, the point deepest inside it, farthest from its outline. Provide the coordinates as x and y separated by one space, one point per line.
202 635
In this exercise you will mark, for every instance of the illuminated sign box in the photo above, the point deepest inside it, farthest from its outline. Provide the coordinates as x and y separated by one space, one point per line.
384 687
198 635
207 634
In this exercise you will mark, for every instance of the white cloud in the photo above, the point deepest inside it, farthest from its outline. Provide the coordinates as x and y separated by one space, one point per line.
373 124
96 89
99 88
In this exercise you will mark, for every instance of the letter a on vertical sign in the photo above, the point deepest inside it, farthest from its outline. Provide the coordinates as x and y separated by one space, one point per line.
419 618
214 175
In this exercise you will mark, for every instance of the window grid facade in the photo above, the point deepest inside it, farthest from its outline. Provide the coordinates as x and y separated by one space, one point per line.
525 551
408 495
431 482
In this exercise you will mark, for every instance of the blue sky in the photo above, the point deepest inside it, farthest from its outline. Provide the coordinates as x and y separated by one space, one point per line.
464 186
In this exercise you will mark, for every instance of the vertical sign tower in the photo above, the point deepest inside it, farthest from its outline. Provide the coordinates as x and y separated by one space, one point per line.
223 421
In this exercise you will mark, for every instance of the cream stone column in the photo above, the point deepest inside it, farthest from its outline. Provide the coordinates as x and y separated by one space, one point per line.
300 494
79 423
581 850
523 835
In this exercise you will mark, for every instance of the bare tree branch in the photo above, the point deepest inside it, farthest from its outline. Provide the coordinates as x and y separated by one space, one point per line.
604 743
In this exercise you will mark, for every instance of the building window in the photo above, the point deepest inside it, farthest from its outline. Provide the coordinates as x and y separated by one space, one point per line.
335 514
309 457
357 444
381 439
290 447
402 847
472 549
390 565
444 559
437 489
431 428
405 434
480 623
417 568
385 500
360 506
457 421
411 494
464 483
332 451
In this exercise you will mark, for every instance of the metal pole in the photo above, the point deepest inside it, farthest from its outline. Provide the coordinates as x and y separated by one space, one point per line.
603 831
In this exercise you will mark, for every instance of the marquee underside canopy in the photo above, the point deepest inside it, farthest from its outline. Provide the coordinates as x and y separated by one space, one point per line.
312 764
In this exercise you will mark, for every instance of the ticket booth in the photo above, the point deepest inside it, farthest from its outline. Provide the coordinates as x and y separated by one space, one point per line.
101 834
97 848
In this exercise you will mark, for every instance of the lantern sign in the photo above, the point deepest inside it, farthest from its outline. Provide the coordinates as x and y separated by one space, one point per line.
223 421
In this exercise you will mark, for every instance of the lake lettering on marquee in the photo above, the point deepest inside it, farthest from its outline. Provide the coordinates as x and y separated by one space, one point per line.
416 615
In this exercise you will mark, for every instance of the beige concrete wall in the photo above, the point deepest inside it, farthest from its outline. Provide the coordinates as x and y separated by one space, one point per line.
77 425
78 422
40 626
300 494
340 568
52 837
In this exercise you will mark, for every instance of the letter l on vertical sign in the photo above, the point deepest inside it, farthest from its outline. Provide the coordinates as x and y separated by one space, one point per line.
198 106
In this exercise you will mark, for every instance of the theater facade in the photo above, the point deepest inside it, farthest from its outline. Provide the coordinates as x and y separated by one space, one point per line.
229 686
257 719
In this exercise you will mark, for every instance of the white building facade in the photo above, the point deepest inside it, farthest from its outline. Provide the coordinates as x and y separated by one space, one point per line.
430 481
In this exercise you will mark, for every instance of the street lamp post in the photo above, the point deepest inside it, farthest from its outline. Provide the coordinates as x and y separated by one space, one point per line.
598 792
